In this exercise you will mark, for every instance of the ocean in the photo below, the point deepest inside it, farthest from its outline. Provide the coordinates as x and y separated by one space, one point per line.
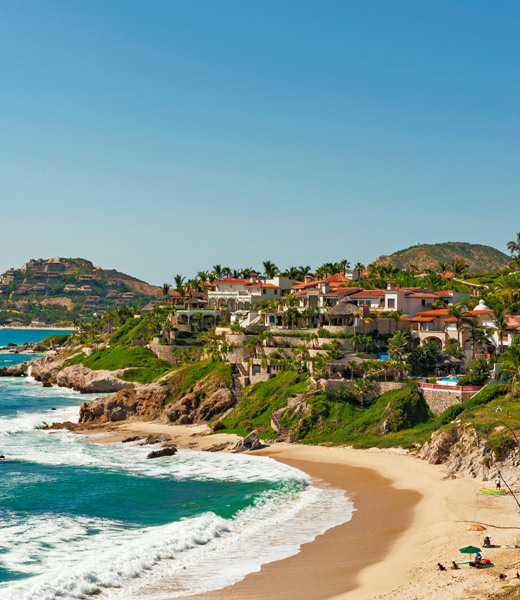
78 518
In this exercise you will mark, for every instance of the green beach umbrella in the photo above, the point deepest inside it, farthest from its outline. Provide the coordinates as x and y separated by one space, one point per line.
469 550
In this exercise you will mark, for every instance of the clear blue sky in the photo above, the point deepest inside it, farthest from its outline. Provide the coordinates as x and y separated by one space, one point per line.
166 136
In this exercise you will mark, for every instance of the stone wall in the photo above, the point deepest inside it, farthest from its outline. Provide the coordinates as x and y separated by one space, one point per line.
441 397
162 351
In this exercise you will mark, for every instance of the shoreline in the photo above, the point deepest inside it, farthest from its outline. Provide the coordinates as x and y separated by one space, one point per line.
29 328
407 518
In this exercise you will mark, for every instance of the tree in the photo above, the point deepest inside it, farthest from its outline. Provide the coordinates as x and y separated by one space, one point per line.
179 284
344 264
423 359
443 267
500 322
358 267
514 245
413 269
458 266
218 271
270 269
459 312
165 290
510 365
398 345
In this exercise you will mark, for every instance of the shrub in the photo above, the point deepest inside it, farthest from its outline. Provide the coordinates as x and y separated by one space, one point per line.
406 409
500 444
477 374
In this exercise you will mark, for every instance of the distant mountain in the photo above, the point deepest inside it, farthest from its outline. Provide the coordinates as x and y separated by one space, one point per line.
62 289
478 257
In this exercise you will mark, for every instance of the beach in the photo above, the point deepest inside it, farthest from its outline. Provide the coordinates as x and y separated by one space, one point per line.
407 519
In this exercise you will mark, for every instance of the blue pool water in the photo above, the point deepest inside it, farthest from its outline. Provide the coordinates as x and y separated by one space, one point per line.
77 518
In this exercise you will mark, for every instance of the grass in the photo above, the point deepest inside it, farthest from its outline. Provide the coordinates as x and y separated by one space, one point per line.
55 340
260 400
214 372
142 365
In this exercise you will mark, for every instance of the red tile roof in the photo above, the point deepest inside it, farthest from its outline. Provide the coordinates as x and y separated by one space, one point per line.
231 280
264 285
368 294
421 319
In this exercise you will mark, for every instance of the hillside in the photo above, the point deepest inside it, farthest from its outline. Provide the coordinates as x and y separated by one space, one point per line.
478 257
63 289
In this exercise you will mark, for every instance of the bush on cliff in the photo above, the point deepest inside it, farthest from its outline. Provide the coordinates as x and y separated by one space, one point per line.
405 409
260 400
142 365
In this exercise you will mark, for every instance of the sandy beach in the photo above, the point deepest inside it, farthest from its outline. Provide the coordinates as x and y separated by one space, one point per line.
407 519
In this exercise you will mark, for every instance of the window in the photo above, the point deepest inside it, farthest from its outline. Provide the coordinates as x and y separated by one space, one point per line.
391 303
263 291
276 292
423 302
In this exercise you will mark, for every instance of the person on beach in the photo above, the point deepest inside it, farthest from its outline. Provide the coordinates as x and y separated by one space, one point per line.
441 567
455 566
487 542
497 482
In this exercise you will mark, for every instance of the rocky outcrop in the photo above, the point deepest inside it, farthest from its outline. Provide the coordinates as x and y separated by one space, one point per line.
465 454
168 451
199 405
18 370
250 442
87 381
143 403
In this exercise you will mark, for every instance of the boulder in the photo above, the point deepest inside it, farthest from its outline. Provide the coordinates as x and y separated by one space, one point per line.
250 442
168 451
217 426
156 438
132 438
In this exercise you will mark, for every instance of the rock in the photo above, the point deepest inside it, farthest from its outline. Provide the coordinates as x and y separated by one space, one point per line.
2 457
132 438
185 420
68 425
250 442
217 447
437 449
217 426
156 438
168 451
18 370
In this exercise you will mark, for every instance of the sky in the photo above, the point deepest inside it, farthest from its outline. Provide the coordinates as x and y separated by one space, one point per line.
164 137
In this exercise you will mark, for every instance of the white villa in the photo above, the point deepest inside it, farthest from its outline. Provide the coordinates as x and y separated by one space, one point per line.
243 295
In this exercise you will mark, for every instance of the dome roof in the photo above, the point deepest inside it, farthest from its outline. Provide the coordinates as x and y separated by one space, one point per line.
481 306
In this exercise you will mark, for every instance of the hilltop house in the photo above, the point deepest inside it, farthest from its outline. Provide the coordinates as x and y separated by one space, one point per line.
439 327
409 300
242 295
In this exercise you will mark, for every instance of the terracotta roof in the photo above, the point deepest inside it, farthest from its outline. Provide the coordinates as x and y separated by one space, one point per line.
368 294
426 295
264 285
337 278
438 312
232 280
421 319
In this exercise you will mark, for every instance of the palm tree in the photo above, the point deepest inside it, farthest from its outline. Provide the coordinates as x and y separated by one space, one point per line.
290 300
443 267
218 271
166 290
303 271
413 269
270 269
344 264
514 245
398 345
179 283
459 313
358 267
458 266
500 322
510 364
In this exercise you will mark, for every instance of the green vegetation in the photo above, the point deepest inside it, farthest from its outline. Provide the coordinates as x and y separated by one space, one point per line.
142 365
477 373
58 339
260 400
215 372
500 444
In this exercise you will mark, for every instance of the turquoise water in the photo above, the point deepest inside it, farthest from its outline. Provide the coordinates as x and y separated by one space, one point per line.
20 336
77 518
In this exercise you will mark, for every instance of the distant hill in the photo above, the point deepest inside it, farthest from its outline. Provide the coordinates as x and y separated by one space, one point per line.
62 289
478 257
